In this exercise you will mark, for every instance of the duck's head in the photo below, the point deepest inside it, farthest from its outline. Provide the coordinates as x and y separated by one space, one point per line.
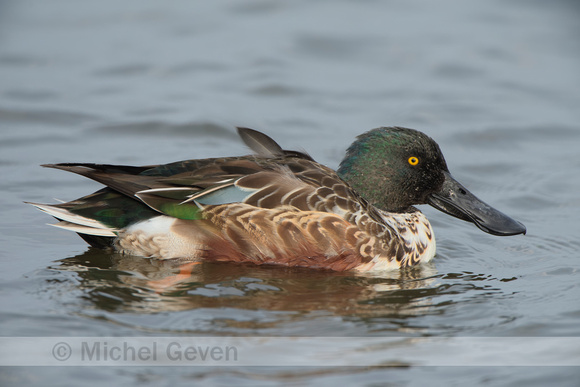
395 168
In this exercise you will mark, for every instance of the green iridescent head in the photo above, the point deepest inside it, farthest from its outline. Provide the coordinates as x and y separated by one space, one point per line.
394 168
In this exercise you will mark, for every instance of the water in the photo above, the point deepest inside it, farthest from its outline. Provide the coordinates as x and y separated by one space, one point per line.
496 83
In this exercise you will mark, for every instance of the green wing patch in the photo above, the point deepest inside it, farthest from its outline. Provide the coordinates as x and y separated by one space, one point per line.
172 201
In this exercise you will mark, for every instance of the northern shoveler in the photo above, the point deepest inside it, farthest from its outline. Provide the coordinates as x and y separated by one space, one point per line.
281 207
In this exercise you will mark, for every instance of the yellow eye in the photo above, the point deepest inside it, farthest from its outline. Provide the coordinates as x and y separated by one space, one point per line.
413 160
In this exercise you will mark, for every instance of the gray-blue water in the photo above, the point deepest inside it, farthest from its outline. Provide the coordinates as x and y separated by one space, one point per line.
496 83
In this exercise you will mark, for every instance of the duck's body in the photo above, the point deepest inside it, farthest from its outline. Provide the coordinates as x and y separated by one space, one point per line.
275 207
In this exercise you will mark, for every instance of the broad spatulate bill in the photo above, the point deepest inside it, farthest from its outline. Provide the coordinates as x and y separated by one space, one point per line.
279 206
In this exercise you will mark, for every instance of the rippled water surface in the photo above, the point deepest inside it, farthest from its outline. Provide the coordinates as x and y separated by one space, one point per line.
496 83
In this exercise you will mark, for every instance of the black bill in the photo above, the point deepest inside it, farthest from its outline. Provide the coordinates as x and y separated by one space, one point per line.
455 200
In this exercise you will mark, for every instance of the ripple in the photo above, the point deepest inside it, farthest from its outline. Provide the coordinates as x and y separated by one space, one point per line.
28 140
506 137
45 117
160 128
20 60
326 46
560 245
31 95
257 7
124 70
276 90
456 71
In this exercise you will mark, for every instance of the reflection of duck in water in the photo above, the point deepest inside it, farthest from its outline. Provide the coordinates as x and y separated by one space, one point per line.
122 283
281 207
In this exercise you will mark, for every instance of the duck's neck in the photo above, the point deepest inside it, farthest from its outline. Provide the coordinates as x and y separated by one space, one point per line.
373 185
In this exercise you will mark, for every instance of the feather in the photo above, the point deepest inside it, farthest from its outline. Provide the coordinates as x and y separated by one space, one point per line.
260 143
84 229
75 222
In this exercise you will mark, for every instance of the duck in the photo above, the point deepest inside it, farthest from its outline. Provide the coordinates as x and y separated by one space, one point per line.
280 207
